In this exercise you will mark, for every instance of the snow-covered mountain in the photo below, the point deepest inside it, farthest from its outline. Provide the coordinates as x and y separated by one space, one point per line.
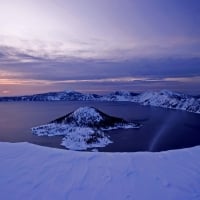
164 98
84 128
54 96
168 99
90 117
120 96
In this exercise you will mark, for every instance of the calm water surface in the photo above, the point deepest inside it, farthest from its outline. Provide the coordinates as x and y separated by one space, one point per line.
162 129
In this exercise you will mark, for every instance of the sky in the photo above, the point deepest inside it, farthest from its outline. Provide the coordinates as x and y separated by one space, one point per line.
99 46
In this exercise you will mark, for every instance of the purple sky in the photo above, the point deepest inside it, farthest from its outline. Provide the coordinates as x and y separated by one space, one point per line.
99 46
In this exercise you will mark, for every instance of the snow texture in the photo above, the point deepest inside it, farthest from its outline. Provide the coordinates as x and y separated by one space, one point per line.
164 99
168 99
32 172
86 114
84 128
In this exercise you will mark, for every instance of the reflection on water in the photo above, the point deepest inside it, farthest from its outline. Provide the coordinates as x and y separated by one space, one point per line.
162 129
170 122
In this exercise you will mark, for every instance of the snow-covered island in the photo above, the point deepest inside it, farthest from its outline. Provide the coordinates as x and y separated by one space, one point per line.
163 98
84 128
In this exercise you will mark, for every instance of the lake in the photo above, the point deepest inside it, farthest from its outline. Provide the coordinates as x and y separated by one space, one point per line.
163 129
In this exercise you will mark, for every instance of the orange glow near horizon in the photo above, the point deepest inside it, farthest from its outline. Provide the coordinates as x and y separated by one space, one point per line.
23 82
19 86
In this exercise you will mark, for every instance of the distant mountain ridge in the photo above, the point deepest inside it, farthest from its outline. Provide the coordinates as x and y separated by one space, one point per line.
163 98
53 96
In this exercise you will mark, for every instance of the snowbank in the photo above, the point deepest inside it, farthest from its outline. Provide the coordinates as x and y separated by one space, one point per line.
32 172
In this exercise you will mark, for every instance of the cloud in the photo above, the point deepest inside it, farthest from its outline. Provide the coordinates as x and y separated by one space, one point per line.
43 69
26 50
23 65
21 86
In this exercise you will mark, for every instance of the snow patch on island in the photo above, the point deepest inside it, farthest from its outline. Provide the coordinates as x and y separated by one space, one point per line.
84 128
86 115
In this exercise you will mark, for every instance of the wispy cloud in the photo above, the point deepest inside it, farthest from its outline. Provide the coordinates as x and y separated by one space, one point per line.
21 50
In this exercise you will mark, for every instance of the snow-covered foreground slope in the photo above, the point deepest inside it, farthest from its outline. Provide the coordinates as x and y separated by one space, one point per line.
32 172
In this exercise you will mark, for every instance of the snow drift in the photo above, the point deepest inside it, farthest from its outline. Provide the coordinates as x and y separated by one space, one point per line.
32 172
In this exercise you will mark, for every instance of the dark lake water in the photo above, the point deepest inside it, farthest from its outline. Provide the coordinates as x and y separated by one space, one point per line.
162 129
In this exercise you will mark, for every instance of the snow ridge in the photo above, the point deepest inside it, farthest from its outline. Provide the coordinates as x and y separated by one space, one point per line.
168 99
164 98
